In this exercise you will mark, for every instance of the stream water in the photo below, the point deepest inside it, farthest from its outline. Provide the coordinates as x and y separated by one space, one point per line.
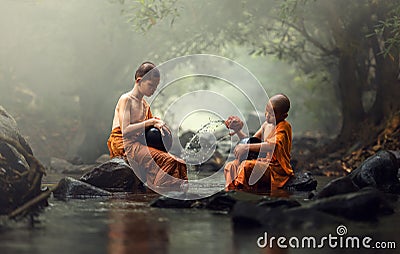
127 224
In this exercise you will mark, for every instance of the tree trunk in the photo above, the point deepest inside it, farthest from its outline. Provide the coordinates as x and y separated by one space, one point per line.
388 85
350 92
349 81
93 126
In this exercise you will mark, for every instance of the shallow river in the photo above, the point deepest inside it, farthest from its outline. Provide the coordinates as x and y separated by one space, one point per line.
127 224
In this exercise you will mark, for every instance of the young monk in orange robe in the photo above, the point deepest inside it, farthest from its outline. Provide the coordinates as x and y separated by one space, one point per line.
132 115
276 137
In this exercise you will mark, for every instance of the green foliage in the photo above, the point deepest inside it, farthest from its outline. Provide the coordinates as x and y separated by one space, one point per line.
389 29
144 14
288 9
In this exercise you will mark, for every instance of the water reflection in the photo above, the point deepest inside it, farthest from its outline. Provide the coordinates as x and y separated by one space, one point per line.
135 229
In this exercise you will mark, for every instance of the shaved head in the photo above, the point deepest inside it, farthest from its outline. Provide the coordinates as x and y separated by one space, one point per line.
280 103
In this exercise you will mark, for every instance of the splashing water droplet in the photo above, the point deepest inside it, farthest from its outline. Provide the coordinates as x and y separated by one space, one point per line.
199 148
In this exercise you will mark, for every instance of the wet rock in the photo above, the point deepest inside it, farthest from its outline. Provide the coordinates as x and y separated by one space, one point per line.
269 202
301 182
365 204
113 175
250 215
75 159
9 130
167 202
281 214
12 158
63 166
301 218
178 199
226 200
379 171
103 158
20 171
264 212
337 186
221 201
396 155
69 187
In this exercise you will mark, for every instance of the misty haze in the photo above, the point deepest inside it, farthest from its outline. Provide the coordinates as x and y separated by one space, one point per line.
260 119
65 63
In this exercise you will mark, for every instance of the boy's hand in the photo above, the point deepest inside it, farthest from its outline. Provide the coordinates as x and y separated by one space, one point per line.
241 151
159 124
234 123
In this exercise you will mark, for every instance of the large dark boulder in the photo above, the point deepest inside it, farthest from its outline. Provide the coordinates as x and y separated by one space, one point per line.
280 214
251 215
365 204
20 171
113 175
379 171
69 187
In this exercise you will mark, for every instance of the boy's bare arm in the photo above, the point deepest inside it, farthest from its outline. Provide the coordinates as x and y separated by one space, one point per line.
263 147
258 134
243 149
130 125
241 134
120 109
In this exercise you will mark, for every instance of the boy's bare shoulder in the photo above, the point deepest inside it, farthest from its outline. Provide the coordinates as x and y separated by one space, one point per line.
122 100
124 96
267 126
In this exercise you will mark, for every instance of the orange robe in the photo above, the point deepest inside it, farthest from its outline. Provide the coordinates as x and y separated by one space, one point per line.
278 169
115 143
157 168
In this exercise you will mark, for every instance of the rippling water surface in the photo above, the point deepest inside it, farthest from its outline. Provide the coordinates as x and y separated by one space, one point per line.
126 224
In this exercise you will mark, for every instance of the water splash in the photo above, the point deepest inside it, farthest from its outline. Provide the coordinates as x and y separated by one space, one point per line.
199 148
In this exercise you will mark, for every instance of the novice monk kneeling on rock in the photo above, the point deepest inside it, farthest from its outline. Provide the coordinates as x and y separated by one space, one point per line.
276 138
132 116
